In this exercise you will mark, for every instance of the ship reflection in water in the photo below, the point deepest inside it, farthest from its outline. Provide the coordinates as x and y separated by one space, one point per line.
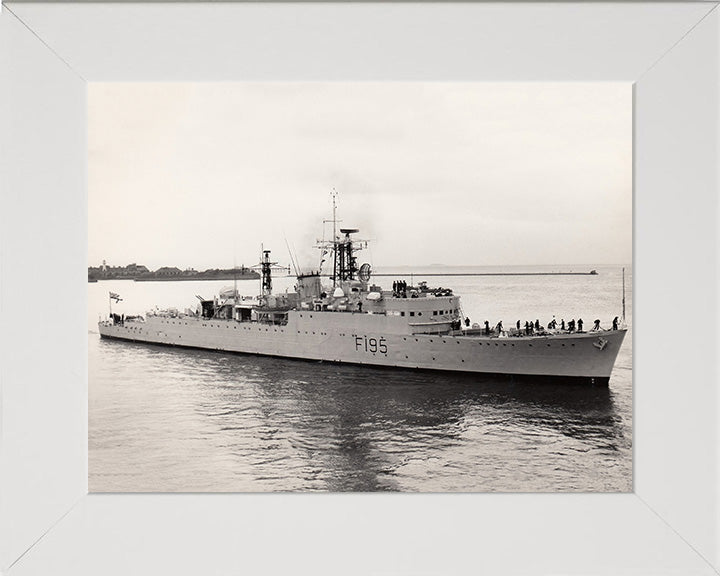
164 419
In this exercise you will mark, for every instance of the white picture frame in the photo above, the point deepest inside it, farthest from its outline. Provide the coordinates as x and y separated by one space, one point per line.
48 522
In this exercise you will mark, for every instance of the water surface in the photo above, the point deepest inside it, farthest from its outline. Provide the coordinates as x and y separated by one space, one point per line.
167 419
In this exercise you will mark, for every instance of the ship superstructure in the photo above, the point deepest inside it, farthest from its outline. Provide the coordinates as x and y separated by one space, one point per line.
353 320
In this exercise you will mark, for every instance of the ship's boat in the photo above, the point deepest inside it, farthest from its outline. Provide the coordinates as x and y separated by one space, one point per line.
355 321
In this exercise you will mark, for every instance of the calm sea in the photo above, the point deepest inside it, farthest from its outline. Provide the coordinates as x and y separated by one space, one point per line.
173 420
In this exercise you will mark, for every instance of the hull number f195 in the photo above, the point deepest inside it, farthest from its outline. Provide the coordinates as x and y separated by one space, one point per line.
372 345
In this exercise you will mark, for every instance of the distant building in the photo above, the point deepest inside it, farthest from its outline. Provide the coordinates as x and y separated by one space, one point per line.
136 269
121 272
168 271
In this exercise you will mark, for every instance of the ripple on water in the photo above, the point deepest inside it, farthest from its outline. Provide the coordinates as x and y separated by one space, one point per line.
163 419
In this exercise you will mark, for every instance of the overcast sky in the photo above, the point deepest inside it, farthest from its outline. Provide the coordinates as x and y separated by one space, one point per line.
199 175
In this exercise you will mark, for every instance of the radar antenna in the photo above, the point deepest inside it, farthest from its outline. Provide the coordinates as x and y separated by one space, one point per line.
345 265
364 273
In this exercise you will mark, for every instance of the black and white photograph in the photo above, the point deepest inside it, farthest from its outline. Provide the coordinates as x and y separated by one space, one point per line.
287 287
360 287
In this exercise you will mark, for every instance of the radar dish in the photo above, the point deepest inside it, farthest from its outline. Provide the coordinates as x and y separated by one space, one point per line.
364 272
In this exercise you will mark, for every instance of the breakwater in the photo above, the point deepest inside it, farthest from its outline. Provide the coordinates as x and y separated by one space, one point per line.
401 274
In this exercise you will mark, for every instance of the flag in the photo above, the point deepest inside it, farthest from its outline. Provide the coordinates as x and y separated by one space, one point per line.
115 297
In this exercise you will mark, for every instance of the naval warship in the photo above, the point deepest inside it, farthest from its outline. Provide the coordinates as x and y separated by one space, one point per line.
352 320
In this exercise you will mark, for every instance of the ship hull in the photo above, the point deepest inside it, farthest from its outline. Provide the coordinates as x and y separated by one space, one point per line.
374 340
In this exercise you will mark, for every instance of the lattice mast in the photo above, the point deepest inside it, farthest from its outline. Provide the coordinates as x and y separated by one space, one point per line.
343 249
266 267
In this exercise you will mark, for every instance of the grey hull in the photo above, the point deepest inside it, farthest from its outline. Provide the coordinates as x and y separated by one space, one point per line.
375 340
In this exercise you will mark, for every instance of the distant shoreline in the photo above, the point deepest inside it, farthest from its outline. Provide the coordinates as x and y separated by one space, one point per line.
253 276
179 278
140 273
375 274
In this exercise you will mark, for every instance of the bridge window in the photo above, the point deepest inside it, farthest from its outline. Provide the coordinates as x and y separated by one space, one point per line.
412 313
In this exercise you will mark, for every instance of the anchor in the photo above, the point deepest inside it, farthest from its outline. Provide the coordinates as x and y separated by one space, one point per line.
600 344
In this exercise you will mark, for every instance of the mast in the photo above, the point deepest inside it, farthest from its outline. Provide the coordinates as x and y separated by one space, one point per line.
334 199
623 300
266 269
347 260
345 265
334 238
292 259
234 278
266 266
